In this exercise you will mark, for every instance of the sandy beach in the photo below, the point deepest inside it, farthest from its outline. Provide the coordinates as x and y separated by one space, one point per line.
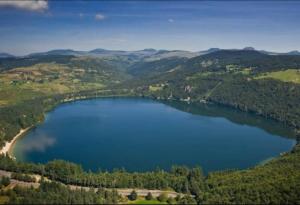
8 146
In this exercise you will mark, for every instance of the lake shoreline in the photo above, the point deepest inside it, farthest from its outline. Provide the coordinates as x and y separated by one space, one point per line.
8 147
34 139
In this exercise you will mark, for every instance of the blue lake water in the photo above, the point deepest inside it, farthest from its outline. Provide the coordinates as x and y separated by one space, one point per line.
141 134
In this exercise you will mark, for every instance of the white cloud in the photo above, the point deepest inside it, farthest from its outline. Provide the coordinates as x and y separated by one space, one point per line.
81 15
171 20
33 5
99 17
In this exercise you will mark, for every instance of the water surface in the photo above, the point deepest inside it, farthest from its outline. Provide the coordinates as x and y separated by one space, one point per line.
140 134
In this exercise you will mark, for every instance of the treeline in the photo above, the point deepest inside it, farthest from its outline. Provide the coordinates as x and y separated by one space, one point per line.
180 178
20 116
55 193
269 98
277 182
22 177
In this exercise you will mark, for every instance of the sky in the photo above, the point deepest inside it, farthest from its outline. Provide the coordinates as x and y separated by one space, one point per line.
36 26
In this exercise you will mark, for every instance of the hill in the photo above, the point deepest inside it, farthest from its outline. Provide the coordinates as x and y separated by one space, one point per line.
6 55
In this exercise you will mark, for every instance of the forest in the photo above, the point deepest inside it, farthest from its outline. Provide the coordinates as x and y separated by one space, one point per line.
276 182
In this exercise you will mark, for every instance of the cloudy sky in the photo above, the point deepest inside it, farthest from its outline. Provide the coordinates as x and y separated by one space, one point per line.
33 26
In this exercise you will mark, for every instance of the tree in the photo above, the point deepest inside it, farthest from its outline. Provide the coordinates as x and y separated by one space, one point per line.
5 181
187 199
149 196
178 197
162 197
171 200
133 195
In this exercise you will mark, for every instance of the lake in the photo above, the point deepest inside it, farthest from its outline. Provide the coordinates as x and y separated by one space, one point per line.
142 134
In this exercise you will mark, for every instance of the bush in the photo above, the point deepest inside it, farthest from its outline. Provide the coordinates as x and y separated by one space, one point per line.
133 195
171 200
149 196
23 177
187 200
162 197
5 181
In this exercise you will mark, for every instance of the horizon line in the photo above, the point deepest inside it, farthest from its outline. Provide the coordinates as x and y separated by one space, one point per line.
157 49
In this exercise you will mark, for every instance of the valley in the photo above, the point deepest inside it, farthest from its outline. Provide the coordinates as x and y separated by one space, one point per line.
245 80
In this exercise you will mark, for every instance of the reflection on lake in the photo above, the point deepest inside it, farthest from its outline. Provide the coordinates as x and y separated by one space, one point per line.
39 144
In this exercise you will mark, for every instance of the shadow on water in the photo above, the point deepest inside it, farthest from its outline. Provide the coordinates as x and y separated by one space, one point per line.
239 117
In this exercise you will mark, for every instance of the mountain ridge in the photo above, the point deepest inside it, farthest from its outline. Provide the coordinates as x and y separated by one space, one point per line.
144 53
6 55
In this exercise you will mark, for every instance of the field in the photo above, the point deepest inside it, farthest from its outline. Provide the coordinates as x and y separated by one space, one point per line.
289 75
46 79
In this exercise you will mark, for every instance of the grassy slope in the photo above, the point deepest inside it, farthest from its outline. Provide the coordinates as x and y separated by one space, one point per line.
288 75
47 79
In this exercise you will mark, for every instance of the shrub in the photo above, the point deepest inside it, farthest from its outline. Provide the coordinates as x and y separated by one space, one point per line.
171 200
133 195
149 196
162 197
5 181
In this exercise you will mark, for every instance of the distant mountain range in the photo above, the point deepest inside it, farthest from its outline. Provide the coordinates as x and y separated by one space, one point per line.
149 54
5 55
146 54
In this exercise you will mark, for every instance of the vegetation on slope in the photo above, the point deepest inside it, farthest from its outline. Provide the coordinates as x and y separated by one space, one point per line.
55 193
289 75
276 182
27 92
229 78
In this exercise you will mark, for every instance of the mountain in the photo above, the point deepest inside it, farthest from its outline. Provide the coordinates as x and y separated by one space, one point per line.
162 54
148 54
139 53
254 59
5 55
104 52
210 50
249 49
219 60
293 53
155 67
59 52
